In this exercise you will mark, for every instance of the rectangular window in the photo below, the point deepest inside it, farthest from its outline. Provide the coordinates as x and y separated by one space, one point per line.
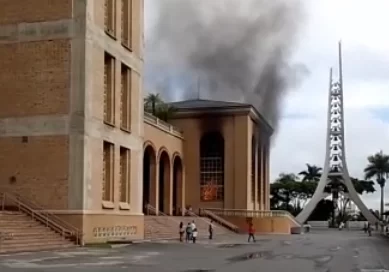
126 20
109 89
125 166
125 99
108 172
211 178
110 17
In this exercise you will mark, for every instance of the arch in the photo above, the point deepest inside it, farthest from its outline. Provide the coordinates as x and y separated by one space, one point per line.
162 150
178 185
212 167
146 144
164 182
149 176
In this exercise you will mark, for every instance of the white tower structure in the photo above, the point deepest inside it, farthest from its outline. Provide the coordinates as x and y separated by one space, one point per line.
335 156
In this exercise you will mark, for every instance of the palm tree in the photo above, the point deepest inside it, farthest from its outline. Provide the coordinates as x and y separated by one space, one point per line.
165 112
152 102
378 167
313 173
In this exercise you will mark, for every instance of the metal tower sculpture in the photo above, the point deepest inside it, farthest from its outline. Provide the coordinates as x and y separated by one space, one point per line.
335 165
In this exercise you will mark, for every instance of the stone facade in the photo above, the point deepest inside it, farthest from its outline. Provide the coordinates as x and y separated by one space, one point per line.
51 120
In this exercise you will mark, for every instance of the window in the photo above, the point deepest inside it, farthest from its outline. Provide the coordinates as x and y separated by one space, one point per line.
212 167
125 99
125 167
110 17
253 166
108 171
127 23
109 89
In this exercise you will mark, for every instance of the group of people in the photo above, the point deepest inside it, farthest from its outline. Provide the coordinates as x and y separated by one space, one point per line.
191 232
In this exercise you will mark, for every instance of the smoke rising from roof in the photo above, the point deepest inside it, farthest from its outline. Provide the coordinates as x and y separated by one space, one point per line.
231 50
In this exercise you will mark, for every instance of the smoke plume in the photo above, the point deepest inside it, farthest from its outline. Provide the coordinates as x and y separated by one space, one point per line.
231 50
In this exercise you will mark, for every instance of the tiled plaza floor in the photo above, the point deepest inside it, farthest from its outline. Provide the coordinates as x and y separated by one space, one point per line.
320 250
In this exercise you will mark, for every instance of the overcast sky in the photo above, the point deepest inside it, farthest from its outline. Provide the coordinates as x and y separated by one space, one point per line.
362 27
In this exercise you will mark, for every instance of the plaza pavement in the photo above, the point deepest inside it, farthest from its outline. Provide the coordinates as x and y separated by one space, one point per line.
320 250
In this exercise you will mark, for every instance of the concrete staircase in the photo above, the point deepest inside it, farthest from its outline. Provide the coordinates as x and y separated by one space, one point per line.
20 233
167 227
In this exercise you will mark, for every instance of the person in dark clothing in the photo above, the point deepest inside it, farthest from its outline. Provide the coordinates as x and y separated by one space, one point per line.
251 233
188 232
181 230
210 230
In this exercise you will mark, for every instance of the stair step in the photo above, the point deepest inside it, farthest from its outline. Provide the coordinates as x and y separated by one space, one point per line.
32 241
36 247
18 223
18 229
23 236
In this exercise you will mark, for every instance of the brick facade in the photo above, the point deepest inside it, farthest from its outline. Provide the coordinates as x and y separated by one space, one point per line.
51 120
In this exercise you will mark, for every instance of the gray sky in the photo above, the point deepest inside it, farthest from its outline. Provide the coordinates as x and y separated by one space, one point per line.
362 27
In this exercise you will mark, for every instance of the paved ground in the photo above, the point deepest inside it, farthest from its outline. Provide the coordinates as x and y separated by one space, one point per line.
324 250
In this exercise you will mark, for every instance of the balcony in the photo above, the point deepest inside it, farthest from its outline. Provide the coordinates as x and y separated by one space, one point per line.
162 125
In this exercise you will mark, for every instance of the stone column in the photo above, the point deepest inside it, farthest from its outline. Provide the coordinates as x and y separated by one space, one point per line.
154 186
256 178
181 192
168 190
261 176
267 176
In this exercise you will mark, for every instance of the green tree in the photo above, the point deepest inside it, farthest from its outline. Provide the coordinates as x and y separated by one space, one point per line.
312 173
165 112
378 168
154 104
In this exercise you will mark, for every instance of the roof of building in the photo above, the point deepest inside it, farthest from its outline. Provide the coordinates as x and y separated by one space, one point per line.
203 104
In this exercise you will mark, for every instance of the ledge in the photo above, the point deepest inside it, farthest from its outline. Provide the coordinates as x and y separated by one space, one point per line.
124 206
108 205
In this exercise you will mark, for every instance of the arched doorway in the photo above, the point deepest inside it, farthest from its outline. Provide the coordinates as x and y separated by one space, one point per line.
177 186
212 167
149 174
164 192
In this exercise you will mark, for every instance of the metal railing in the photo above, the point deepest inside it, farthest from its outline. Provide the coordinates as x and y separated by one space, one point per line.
254 214
221 221
151 119
39 214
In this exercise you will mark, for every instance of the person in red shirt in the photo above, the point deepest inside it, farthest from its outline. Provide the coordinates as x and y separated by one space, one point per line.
251 232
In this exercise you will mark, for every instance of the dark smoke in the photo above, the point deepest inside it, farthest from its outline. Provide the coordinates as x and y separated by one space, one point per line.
233 50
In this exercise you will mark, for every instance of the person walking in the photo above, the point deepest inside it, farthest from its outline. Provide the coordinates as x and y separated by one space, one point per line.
251 233
210 230
194 235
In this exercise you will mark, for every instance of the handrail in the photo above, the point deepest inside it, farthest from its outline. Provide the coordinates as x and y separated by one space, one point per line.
191 213
219 220
37 207
253 213
39 214
149 207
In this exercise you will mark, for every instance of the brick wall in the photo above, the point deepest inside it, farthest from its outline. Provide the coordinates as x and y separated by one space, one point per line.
35 78
37 169
15 11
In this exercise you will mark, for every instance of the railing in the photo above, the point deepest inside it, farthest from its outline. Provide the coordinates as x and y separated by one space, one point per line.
221 221
254 214
151 210
191 213
151 119
40 214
